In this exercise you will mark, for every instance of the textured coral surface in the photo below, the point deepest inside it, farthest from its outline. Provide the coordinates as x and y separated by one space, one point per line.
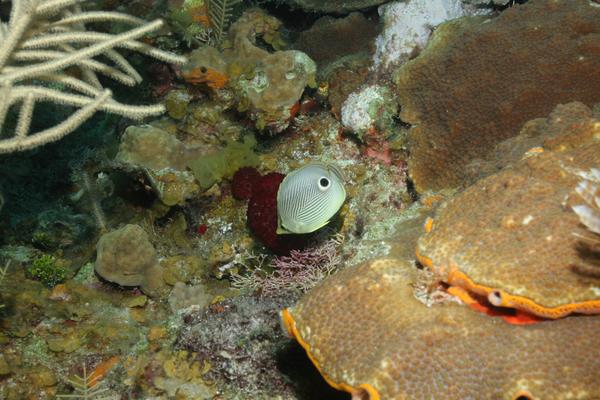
364 326
567 126
334 6
512 231
478 81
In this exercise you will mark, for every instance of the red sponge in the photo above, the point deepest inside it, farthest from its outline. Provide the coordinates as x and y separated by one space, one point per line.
244 180
262 209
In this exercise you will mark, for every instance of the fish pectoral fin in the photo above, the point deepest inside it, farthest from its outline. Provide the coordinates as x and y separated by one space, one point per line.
280 229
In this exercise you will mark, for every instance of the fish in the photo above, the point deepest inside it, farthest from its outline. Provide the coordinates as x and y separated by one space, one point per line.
309 197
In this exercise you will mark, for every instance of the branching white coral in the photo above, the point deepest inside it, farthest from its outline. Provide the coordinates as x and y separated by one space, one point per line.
589 190
44 38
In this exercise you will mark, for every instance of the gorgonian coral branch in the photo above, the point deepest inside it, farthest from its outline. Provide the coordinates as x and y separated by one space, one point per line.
44 38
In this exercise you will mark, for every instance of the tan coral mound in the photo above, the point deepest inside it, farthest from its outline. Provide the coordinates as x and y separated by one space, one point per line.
368 335
513 238
478 81
567 126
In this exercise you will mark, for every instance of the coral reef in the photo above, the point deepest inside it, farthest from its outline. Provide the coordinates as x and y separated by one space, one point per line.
368 110
220 13
126 257
184 296
407 26
178 171
405 349
211 168
331 40
567 126
239 338
334 6
475 85
162 158
150 147
267 86
528 254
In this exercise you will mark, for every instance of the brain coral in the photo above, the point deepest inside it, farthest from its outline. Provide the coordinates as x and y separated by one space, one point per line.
479 80
368 335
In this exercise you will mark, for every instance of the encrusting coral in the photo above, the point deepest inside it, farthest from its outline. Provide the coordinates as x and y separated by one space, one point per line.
126 257
266 85
368 335
475 85
41 41
519 241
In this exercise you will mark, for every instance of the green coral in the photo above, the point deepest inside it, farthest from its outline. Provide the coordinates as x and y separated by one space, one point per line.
48 270
210 169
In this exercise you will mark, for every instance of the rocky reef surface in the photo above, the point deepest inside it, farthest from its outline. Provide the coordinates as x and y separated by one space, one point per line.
141 260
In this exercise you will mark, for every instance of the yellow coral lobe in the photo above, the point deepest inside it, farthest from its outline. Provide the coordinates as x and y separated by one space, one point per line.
428 225
425 261
500 298
290 325
462 295
523 395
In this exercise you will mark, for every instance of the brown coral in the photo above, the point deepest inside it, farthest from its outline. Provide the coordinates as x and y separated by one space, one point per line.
479 80
510 237
126 257
567 126
368 335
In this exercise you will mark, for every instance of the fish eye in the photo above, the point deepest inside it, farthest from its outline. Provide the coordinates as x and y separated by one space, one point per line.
324 183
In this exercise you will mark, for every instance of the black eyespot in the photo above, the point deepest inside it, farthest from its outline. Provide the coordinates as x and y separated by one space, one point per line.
324 182
203 69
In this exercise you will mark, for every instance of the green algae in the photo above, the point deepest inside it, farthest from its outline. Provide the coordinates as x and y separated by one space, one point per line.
48 270
212 168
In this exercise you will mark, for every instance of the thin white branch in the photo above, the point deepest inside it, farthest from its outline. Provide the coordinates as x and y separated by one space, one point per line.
52 7
98 16
84 53
25 116
112 106
57 132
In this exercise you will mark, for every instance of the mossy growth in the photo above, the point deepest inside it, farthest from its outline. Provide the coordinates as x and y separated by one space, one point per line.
47 269
210 169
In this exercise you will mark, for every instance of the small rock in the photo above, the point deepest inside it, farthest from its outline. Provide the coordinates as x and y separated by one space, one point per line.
137 301
4 367
42 377
67 344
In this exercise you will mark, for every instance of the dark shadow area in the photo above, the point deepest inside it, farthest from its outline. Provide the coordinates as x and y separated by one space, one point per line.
293 362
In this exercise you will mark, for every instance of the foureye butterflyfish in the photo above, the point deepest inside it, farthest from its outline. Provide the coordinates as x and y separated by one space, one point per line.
309 197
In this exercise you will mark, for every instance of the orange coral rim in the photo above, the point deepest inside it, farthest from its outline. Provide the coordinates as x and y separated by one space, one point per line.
290 325
500 298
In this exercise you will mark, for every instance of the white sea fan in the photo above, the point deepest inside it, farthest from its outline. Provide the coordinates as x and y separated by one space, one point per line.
41 45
